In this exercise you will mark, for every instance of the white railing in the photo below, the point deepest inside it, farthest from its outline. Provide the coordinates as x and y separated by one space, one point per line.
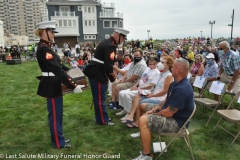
111 15
108 4
64 14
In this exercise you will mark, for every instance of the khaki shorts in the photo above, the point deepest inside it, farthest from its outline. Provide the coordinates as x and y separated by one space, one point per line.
125 85
227 79
161 124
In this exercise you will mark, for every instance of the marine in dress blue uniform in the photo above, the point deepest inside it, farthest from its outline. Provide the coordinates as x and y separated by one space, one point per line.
100 70
53 74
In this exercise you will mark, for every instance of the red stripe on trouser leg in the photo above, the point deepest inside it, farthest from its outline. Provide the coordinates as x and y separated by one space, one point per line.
55 123
100 103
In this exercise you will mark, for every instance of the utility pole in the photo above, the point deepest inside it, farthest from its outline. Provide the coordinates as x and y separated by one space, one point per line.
213 22
232 23
148 33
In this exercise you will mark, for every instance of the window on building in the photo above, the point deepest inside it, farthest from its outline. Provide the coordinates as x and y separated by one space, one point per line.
65 23
85 23
74 23
87 37
60 23
70 23
89 23
108 12
106 24
93 22
79 8
114 24
93 9
120 24
89 9
64 10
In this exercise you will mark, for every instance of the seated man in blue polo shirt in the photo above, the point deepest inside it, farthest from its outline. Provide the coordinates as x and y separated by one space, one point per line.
170 115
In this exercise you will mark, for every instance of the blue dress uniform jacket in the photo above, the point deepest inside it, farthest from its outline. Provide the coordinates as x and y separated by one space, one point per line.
49 61
99 72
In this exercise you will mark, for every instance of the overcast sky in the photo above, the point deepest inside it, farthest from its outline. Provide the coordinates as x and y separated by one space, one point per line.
178 18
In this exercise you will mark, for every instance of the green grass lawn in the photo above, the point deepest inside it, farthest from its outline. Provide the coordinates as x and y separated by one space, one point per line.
24 126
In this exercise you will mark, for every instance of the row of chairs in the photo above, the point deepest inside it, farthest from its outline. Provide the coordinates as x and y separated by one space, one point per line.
214 87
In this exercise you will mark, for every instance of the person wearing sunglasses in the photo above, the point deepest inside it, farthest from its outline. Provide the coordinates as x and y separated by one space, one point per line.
197 68
229 66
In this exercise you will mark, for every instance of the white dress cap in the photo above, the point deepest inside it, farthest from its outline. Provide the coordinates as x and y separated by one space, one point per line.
121 31
47 24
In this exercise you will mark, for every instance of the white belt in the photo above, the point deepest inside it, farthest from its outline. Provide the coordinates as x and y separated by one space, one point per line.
47 74
97 60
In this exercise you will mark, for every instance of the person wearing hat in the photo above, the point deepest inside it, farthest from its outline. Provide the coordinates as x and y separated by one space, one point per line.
53 74
211 70
100 70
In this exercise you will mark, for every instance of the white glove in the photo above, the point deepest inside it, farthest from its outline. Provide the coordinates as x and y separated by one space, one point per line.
78 89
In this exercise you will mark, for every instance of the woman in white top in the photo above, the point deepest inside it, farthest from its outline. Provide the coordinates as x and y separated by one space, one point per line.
121 72
126 96
158 94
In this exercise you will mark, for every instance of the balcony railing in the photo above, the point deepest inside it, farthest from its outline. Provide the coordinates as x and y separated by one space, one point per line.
111 15
111 5
64 14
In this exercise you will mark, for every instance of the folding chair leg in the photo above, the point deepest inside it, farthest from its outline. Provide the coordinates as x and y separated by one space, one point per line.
217 123
235 138
189 145
211 115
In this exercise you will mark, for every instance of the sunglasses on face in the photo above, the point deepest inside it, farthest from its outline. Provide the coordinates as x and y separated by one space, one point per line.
220 49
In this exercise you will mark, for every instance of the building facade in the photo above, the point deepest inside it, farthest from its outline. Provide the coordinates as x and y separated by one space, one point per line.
83 20
21 16
2 41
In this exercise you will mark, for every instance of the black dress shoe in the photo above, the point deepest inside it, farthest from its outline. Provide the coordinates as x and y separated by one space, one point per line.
67 146
67 140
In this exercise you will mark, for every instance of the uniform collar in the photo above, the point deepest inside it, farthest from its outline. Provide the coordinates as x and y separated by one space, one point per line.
45 42
113 40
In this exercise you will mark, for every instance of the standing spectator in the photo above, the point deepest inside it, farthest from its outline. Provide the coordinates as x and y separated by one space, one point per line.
229 66
69 46
65 46
55 47
215 53
2 54
25 49
77 47
6 49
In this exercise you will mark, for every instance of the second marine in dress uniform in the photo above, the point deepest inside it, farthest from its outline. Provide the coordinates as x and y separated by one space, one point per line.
100 70
53 74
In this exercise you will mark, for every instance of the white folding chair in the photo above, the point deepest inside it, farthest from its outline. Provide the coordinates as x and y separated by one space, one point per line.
182 133
214 87
232 115
200 83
